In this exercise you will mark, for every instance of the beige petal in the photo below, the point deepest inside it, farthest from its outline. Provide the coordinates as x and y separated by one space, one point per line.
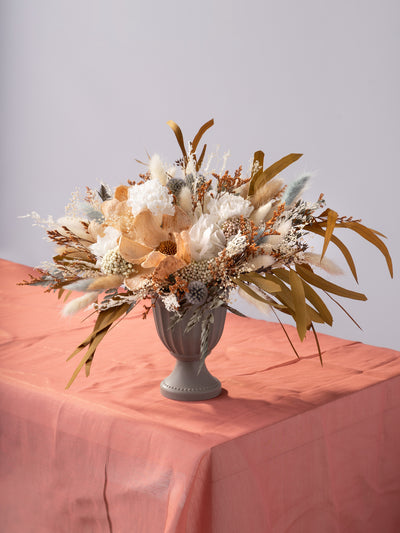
119 215
95 229
148 229
133 251
135 282
183 246
109 207
153 259
177 222
169 265
121 193
105 282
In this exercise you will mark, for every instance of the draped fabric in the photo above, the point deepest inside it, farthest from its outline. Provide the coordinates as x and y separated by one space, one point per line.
289 447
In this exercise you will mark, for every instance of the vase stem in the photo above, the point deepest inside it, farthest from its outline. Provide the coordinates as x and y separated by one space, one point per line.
188 383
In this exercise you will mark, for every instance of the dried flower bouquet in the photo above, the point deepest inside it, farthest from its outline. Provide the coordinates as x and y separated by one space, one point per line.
190 237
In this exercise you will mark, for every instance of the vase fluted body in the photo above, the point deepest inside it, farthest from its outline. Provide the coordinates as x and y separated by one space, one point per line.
190 380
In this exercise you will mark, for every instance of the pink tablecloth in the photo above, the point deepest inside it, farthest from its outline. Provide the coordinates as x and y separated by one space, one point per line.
289 446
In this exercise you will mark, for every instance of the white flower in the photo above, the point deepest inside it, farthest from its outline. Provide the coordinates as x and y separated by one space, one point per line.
150 195
170 302
236 245
206 238
227 206
104 244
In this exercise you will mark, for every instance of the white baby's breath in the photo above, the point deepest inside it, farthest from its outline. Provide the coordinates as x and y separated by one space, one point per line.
236 245
171 303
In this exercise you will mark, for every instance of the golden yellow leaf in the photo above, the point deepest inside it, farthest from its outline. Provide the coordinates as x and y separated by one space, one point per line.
317 343
308 275
260 179
200 134
316 228
104 321
311 296
250 291
371 236
179 137
258 163
330 226
267 285
299 300
200 159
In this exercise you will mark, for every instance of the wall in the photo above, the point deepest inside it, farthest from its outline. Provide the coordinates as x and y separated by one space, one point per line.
87 87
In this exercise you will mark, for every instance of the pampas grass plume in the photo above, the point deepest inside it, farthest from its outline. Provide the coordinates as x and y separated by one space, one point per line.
295 189
260 214
79 303
157 170
185 200
326 264
264 308
103 283
267 192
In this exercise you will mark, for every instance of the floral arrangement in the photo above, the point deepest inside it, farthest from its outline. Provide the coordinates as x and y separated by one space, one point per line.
190 236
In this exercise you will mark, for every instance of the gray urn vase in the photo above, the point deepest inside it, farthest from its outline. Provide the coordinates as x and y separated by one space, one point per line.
186 382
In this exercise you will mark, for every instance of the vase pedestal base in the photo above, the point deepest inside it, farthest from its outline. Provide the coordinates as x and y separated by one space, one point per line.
186 383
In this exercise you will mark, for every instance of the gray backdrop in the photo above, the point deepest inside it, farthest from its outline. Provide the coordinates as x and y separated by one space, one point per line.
87 86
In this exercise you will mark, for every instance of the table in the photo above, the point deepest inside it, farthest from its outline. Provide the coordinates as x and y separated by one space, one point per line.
288 447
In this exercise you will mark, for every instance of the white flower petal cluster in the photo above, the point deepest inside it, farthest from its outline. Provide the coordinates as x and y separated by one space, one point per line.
170 302
150 195
104 244
206 238
236 245
227 206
